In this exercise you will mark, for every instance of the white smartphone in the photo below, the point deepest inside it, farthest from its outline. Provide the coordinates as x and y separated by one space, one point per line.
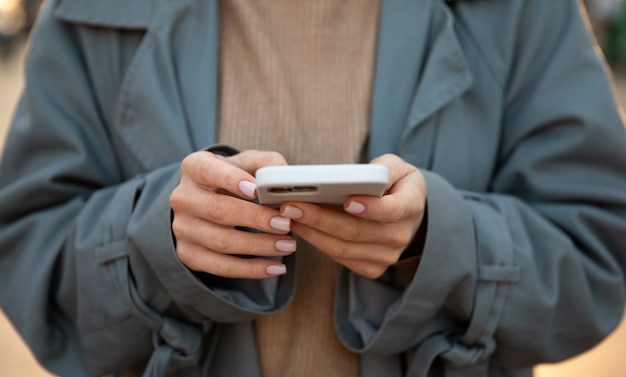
323 184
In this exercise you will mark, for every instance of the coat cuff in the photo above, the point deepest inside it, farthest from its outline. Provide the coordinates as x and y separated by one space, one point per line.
153 256
452 305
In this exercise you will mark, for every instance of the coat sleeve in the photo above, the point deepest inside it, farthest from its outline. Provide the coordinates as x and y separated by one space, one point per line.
88 254
533 270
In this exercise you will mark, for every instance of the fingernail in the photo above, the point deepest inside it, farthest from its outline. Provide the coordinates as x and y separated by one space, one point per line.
286 246
276 269
292 212
280 223
247 188
355 208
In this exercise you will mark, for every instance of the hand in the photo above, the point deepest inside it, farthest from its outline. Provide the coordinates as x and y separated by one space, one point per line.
213 197
371 234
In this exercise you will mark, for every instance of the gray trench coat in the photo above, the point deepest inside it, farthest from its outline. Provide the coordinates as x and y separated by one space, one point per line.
504 105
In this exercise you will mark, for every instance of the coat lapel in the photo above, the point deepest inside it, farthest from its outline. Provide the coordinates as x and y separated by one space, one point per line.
198 75
420 68
136 14
168 102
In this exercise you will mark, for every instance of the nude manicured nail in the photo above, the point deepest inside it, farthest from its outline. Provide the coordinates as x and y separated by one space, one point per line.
286 246
355 208
276 269
280 223
292 212
247 188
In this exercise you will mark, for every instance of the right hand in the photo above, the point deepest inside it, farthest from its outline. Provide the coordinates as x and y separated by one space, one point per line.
213 197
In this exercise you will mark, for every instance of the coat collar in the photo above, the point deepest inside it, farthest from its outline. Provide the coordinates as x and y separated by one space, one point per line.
136 14
420 68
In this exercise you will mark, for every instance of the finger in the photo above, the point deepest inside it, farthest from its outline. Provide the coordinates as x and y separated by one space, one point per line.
227 240
252 160
226 210
396 166
364 268
201 259
235 212
405 196
213 172
336 223
342 251
405 202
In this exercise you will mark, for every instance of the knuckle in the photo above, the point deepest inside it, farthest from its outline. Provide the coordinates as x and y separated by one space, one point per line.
231 177
256 218
189 162
185 164
220 268
390 156
176 199
337 250
400 238
389 259
220 244
270 158
177 227
313 219
182 227
353 232
187 255
215 207
372 271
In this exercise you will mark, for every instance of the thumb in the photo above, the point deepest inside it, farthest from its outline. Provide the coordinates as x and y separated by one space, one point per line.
252 160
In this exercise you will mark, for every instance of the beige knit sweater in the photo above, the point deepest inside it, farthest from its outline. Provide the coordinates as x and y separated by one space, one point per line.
296 78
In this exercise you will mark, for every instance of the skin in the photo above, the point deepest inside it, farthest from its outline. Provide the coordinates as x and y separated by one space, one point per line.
215 195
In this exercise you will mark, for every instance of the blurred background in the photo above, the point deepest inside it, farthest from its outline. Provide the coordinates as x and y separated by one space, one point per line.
608 22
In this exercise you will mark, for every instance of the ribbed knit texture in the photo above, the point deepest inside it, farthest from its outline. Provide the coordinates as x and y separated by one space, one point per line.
296 78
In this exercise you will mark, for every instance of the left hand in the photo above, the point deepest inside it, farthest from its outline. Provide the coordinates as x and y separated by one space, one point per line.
371 234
